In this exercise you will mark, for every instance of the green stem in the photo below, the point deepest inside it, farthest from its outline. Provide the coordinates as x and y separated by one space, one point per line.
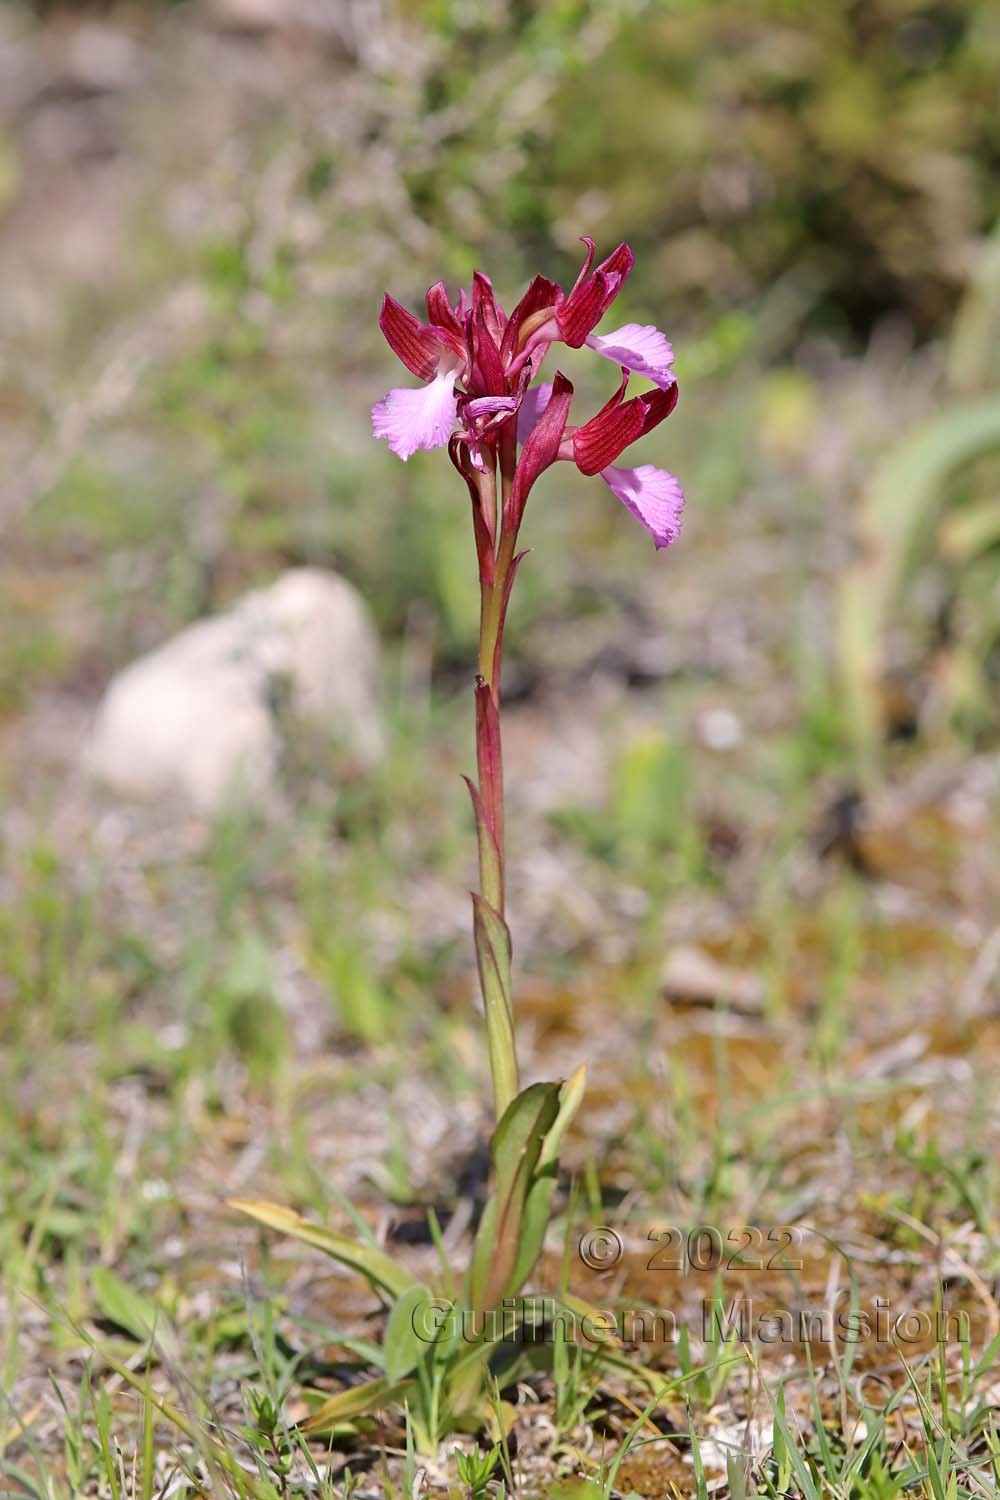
495 980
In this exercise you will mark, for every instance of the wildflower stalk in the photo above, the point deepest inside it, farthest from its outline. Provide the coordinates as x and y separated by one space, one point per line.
491 934
478 367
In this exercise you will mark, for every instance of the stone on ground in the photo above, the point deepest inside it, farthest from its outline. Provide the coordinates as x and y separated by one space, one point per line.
206 717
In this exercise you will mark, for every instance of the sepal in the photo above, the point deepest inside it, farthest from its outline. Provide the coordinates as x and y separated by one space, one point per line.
416 344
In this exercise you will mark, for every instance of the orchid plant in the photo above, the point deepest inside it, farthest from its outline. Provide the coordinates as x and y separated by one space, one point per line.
482 399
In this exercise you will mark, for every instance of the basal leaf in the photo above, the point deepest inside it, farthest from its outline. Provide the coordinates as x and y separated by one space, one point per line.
534 1222
538 1203
516 1146
376 1267
570 1097
406 1339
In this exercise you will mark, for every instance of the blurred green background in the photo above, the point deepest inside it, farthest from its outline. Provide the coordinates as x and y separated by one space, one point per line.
203 202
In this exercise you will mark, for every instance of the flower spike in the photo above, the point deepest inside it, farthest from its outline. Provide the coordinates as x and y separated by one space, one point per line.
482 396
478 366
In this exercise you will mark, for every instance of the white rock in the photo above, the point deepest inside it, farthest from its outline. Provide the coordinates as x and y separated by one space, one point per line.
202 718
719 729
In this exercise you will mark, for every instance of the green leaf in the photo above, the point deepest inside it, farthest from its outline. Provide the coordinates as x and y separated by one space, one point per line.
376 1267
123 1306
516 1147
790 1451
405 1344
735 1479
534 1222
570 1098
356 1401
466 1378
537 1204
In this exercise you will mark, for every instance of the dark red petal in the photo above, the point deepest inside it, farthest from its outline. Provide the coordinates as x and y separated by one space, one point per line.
599 442
487 376
419 348
658 405
618 423
541 294
592 295
582 310
484 301
541 449
615 270
585 268
614 401
440 310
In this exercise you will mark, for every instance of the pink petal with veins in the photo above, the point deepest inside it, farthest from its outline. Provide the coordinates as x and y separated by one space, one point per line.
412 419
653 496
641 348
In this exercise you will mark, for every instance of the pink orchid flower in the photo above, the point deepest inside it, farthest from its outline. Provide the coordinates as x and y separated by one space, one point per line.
477 366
